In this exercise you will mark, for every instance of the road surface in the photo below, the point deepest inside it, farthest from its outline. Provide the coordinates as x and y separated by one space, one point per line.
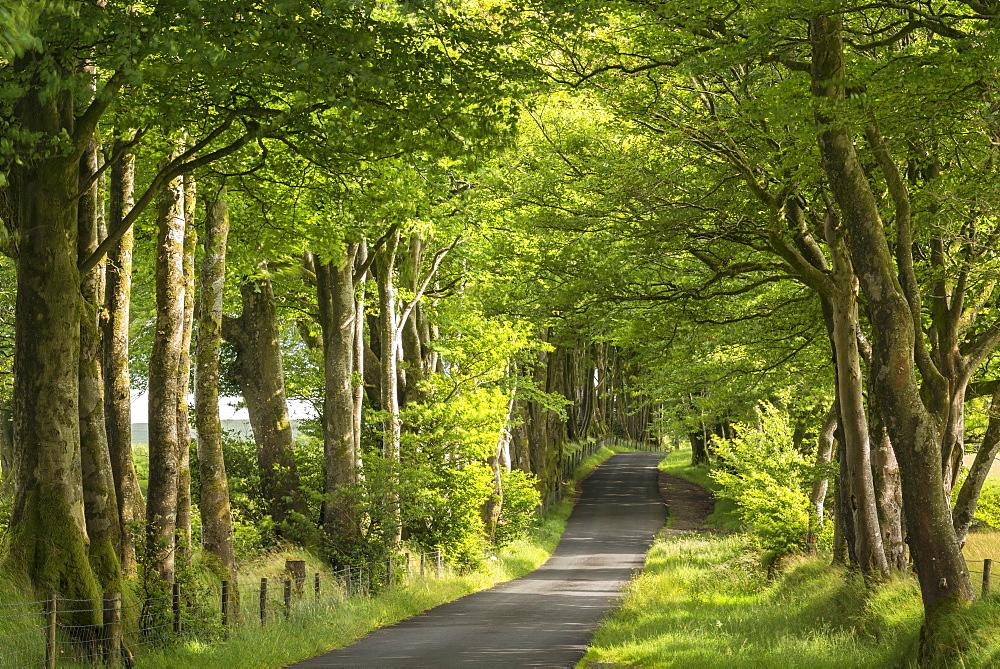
544 619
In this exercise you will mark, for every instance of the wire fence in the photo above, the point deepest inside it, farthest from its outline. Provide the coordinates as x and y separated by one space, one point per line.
116 631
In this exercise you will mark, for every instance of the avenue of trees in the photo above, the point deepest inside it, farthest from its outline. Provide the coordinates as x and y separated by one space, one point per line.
471 233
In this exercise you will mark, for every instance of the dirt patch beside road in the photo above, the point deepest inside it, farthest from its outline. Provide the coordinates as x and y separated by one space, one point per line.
688 505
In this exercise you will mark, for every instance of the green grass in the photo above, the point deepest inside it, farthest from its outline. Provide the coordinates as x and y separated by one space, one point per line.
336 622
725 516
19 618
703 601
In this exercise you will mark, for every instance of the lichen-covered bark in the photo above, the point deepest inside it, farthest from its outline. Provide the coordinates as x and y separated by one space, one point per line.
338 317
100 501
216 514
164 371
856 468
48 536
184 370
117 384
254 335
389 380
915 434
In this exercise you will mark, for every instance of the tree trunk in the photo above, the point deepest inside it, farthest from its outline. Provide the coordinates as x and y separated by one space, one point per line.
216 515
360 366
100 502
117 381
889 495
859 486
941 570
824 455
968 494
339 318
48 535
184 373
164 387
259 373
389 340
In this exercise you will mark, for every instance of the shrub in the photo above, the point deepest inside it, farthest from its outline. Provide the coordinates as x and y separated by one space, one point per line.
768 479
520 500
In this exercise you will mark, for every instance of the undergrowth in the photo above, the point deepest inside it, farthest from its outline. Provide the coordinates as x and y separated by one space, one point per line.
334 624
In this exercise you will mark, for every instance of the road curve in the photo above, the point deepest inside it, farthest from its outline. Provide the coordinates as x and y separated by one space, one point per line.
544 619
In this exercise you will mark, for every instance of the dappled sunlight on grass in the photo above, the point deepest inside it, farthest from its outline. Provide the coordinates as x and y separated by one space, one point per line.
703 601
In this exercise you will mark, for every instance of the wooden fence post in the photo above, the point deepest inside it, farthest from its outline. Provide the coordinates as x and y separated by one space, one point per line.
175 600
347 587
388 573
288 598
423 561
225 606
50 634
113 628
987 569
316 585
438 566
263 601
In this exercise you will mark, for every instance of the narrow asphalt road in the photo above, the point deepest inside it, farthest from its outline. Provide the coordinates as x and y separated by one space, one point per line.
544 619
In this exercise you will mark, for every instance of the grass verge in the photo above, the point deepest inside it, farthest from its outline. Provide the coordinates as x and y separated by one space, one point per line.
703 601
334 624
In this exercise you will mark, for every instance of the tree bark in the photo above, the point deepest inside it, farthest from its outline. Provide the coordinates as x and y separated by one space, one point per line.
48 534
100 502
214 506
259 373
824 455
941 570
184 372
389 340
339 318
117 381
869 551
164 387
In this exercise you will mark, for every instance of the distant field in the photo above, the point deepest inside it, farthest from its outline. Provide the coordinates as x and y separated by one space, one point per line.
140 431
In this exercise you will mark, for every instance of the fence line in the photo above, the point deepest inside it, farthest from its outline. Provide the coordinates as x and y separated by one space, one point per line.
62 629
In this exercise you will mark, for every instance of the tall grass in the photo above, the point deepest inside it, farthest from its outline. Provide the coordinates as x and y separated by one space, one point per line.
703 601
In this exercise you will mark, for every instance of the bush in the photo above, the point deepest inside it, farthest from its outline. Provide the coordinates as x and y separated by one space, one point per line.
768 478
520 501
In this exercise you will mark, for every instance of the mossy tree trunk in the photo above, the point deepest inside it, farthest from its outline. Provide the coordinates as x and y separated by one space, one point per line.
339 317
117 382
48 534
184 372
216 514
100 501
894 314
259 373
164 374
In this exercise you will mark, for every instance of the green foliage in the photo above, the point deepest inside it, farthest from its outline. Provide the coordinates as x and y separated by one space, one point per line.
444 479
520 501
988 507
767 477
